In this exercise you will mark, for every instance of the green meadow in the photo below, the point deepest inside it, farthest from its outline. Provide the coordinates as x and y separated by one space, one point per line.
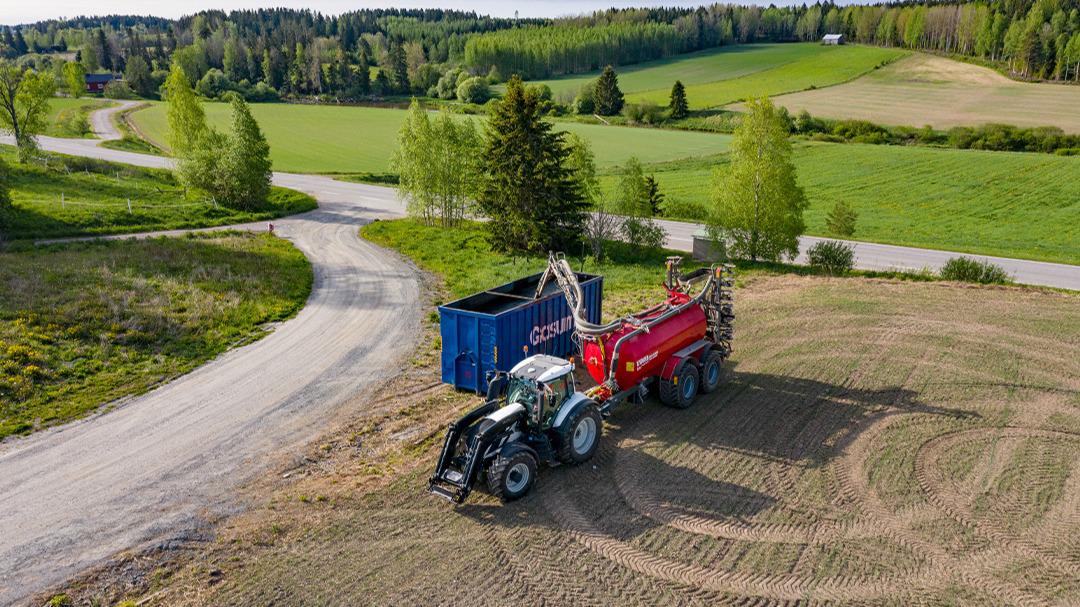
350 139
995 203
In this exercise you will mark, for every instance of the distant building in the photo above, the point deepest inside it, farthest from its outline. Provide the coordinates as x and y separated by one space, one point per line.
833 39
95 83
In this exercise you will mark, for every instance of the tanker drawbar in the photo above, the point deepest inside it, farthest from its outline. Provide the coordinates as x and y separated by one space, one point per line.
536 414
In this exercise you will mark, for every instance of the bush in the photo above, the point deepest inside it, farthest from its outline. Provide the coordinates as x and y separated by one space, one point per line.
841 219
1067 152
643 233
542 91
645 113
966 269
262 92
446 87
585 102
831 257
473 90
213 84
118 89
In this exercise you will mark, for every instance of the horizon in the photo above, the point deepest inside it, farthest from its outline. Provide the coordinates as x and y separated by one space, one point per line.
70 9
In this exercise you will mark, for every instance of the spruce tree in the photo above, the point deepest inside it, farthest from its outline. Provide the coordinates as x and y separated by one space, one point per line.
607 96
528 192
678 106
398 68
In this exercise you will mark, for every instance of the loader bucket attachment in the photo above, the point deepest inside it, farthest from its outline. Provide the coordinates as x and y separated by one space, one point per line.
460 461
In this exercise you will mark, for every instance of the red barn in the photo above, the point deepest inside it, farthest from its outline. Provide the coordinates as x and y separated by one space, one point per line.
95 83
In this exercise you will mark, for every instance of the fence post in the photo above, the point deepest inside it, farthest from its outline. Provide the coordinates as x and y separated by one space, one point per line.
129 206
62 205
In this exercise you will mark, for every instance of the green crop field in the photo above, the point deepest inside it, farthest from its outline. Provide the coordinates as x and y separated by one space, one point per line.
85 324
925 89
816 66
349 139
700 67
78 196
994 203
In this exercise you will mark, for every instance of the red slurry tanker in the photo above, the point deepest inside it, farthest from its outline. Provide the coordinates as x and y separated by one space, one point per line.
536 413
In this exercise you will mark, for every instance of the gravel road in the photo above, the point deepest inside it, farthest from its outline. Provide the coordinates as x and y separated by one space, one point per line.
148 470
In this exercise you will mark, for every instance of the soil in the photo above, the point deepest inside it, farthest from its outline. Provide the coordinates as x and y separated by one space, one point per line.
874 442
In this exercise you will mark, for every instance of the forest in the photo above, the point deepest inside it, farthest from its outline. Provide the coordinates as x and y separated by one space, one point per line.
267 54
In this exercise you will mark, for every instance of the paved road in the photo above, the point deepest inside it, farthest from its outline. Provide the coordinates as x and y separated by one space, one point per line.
871 256
72 496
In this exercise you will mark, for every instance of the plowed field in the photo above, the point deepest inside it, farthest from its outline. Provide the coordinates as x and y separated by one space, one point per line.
876 442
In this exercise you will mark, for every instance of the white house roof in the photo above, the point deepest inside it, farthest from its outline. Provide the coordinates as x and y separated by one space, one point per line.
833 36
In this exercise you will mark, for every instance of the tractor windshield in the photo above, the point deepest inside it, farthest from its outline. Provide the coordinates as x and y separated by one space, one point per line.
522 391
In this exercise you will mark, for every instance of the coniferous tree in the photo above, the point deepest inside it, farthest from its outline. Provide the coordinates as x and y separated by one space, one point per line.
607 96
528 192
656 197
398 68
678 105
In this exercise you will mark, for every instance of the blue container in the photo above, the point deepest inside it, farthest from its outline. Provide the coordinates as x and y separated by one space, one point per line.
496 329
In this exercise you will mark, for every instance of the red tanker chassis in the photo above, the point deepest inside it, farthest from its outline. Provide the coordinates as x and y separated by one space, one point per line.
535 413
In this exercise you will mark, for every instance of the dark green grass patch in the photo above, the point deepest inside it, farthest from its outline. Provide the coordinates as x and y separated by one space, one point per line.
95 197
86 323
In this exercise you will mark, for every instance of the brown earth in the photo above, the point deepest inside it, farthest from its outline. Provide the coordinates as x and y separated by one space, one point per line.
876 442
925 89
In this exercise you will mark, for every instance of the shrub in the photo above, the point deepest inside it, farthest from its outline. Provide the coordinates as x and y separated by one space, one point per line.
643 233
118 89
261 92
841 219
644 113
966 269
473 90
831 257
856 129
542 91
1067 152
585 102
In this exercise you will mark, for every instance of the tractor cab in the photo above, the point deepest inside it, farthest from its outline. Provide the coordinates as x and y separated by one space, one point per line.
541 384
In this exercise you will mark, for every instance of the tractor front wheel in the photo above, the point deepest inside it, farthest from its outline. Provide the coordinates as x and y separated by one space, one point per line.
580 435
511 477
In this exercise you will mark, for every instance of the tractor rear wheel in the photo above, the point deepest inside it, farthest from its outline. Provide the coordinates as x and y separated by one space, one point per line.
580 435
510 478
711 372
679 391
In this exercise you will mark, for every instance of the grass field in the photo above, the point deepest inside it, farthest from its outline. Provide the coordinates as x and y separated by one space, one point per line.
95 201
812 66
85 324
67 116
924 89
994 203
874 443
710 65
343 139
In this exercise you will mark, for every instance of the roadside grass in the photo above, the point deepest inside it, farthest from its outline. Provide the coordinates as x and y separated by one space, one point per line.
353 139
926 89
84 324
814 70
131 141
69 117
700 67
994 203
95 195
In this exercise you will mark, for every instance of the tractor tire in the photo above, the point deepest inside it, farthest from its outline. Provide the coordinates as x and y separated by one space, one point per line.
510 478
580 435
680 390
712 371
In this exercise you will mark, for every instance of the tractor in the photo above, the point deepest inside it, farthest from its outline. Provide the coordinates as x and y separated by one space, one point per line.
536 413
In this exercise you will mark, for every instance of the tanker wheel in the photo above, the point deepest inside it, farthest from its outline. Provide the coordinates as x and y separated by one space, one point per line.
580 435
680 390
510 478
711 372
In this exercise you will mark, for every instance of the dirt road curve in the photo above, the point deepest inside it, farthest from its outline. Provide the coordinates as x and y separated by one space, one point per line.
101 120
75 495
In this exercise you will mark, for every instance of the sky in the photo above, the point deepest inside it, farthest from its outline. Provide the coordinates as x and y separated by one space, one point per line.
22 11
